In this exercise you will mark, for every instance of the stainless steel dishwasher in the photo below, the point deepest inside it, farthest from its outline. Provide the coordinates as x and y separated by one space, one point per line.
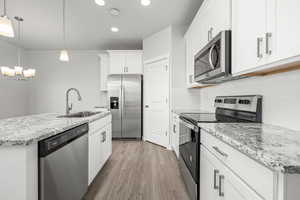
63 165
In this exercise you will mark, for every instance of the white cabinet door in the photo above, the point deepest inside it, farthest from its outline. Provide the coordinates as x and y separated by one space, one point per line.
109 140
209 173
248 34
217 182
233 188
133 63
218 17
288 29
94 159
116 63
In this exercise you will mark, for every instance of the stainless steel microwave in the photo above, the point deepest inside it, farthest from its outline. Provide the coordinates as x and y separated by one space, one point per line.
214 60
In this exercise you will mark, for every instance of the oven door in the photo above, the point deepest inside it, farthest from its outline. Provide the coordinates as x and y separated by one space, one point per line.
189 146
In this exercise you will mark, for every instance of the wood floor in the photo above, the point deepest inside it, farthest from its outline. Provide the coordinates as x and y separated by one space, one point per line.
138 171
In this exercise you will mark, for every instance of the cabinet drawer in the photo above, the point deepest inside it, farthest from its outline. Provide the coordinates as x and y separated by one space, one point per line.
258 177
98 124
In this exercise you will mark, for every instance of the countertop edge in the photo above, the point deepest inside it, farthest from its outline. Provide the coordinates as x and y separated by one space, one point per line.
53 132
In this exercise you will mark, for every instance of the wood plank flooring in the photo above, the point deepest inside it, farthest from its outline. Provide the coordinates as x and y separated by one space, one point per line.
138 171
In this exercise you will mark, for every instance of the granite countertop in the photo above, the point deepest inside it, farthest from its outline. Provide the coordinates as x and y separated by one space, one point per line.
180 111
275 147
27 130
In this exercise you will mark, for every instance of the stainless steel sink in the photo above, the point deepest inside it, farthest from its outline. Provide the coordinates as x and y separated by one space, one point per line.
79 114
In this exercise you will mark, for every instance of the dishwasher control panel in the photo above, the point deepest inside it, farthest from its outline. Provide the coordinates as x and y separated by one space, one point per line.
53 143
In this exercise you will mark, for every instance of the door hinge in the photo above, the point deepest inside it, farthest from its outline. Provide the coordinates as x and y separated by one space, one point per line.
166 67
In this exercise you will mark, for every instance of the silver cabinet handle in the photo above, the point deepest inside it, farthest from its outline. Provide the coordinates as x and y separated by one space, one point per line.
103 136
216 172
174 128
259 41
211 33
268 48
221 179
220 152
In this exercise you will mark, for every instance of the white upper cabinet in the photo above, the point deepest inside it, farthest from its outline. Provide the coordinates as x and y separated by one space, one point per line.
116 63
213 16
262 39
248 32
287 28
134 63
125 62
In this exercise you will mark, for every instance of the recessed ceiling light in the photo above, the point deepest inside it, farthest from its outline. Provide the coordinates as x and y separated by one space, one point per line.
100 2
114 29
145 2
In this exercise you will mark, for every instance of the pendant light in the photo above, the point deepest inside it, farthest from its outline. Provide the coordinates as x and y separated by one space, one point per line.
18 72
19 68
6 28
64 56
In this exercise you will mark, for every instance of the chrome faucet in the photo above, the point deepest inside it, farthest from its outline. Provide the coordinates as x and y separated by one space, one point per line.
69 108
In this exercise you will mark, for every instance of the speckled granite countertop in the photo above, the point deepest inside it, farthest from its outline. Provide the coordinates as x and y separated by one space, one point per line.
30 129
275 147
180 111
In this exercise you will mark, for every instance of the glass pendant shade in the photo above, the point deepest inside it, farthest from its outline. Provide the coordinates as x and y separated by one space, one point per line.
64 56
18 70
6 28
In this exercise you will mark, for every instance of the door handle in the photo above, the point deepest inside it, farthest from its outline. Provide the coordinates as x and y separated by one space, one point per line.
221 179
146 106
268 48
216 172
259 41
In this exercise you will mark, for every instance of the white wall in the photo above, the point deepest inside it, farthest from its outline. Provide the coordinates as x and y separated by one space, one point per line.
157 44
13 94
183 98
281 96
48 89
170 41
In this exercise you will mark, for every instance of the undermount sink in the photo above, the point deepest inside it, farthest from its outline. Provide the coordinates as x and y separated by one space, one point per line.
79 114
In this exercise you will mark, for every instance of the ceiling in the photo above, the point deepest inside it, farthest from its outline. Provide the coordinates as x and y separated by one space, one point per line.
88 25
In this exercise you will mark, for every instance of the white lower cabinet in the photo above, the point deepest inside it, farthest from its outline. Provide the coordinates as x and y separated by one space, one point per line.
100 145
218 182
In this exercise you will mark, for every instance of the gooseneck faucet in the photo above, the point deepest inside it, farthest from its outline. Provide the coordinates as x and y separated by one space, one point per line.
69 107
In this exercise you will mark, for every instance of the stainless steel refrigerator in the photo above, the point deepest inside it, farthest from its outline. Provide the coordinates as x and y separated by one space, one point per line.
125 101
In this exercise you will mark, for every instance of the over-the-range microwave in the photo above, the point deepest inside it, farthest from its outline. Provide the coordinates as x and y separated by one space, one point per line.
213 62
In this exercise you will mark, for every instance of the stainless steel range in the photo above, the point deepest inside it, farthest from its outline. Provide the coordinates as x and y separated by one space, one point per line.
229 109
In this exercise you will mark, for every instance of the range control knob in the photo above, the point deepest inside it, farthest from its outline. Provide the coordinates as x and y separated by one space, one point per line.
244 101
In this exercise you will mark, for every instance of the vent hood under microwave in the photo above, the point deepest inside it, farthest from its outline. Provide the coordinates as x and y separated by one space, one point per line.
214 60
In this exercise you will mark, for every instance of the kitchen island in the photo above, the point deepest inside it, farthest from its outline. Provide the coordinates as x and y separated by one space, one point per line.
19 139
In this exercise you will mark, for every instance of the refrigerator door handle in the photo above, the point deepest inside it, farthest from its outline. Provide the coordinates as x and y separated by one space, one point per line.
123 100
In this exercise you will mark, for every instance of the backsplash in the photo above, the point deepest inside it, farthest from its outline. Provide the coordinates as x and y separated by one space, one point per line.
281 96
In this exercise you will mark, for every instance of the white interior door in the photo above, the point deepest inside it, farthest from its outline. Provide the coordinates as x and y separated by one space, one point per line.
156 102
